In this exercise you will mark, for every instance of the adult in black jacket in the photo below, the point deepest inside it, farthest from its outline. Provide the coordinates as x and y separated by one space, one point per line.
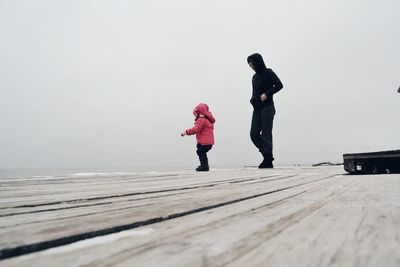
265 85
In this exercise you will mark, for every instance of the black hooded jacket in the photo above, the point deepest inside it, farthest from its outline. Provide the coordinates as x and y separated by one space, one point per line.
264 81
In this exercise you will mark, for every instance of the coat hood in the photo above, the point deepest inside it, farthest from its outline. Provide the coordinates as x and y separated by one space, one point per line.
257 61
204 110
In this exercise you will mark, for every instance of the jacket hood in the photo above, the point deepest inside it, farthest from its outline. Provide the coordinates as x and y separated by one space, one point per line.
257 61
204 110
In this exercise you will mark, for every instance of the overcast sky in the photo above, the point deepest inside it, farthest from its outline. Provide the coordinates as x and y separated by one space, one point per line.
113 83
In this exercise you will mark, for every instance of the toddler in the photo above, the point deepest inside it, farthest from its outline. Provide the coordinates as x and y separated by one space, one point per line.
204 130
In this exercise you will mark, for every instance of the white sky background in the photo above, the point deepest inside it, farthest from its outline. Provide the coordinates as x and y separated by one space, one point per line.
113 83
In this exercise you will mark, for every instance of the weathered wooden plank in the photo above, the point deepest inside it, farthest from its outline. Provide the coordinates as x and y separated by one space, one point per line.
138 193
229 234
60 223
360 228
348 223
19 194
84 192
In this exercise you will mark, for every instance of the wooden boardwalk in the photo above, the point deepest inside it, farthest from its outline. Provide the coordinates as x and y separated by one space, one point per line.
237 217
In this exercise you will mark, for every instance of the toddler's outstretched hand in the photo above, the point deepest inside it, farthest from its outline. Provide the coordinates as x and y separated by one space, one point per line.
183 133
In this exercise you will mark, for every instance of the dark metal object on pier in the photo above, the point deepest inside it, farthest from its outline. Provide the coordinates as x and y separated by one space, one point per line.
372 162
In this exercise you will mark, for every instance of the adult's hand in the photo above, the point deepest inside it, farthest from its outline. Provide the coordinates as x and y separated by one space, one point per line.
263 97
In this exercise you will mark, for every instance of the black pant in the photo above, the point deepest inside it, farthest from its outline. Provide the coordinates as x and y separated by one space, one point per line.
202 153
261 129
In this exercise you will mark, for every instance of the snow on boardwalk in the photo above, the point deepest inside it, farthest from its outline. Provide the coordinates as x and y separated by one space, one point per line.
238 217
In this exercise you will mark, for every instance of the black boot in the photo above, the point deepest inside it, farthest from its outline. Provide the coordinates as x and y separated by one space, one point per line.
267 162
202 153
203 168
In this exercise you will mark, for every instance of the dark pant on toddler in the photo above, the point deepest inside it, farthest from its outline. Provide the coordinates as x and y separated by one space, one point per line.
202 153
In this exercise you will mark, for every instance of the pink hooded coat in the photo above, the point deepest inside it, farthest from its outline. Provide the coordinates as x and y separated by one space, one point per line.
203 126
